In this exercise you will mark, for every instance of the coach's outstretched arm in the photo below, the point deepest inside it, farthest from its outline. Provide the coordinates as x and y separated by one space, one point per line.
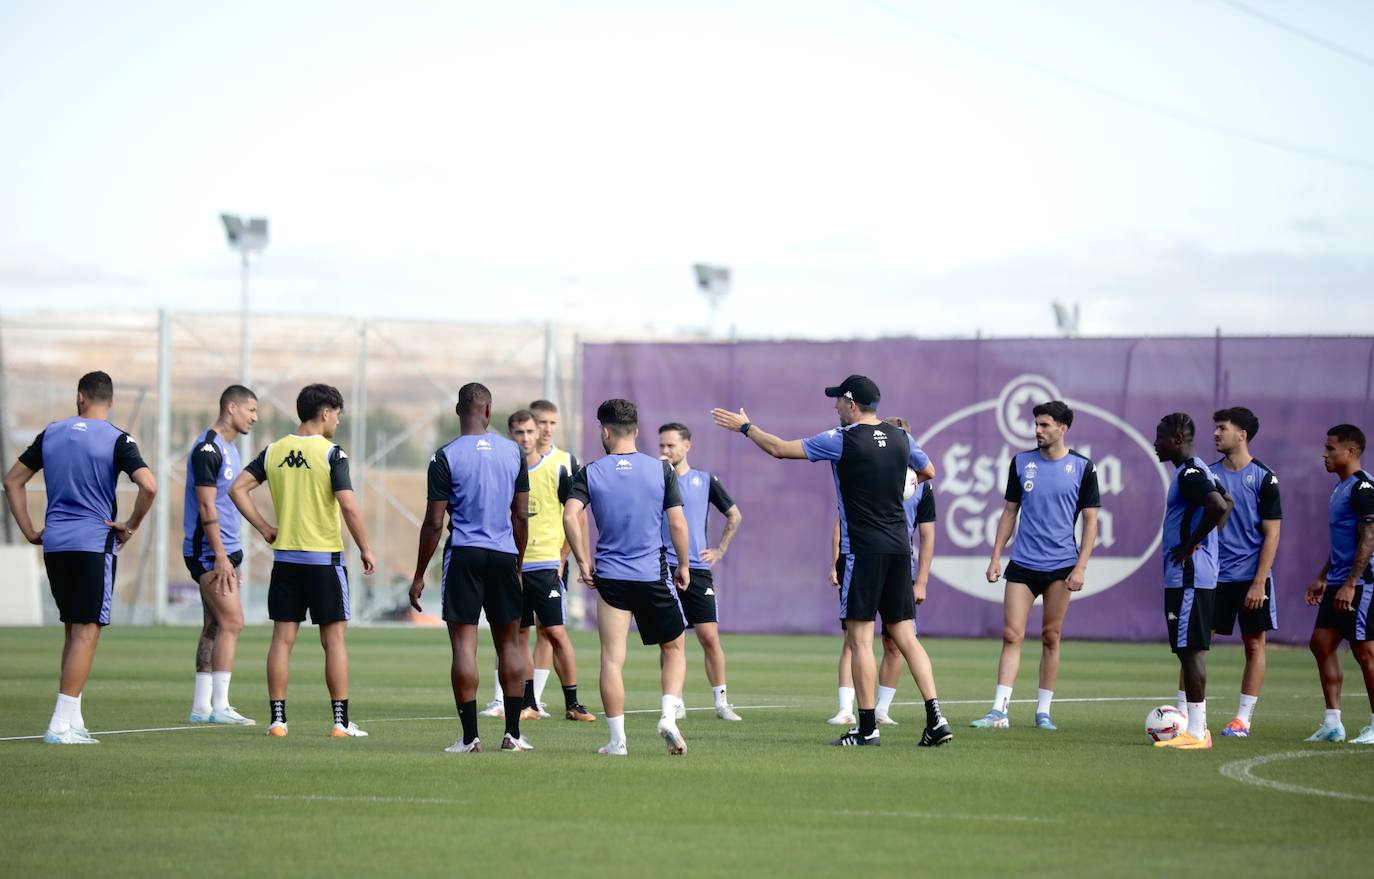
773 445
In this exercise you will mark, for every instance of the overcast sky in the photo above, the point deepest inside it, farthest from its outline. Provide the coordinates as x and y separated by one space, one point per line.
861 168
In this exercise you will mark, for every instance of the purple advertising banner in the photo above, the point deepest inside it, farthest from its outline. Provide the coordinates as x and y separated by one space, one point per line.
969 405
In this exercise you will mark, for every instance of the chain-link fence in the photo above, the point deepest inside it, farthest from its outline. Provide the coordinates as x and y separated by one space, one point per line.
399 380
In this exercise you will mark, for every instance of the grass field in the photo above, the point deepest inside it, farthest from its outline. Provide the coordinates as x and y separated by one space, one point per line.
762 797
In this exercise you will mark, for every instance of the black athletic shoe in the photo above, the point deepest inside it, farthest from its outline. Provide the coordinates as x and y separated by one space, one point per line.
852 739
935 736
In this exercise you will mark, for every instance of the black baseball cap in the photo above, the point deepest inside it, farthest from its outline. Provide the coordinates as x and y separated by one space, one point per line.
859 388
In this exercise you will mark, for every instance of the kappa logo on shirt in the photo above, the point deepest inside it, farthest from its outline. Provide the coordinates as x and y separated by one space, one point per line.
553 593
1030 470
1172 617
1190 471
624 464
208 447
880 438
483 445
1365 485
80 425
709 591
294 459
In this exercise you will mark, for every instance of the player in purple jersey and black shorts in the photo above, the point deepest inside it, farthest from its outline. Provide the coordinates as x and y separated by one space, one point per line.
1048 488
81 458
1246 547
1343 592
700 491
1194 509
481 481
869 462
213 552
630 495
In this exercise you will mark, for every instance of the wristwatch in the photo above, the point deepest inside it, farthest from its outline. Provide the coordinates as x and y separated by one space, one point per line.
744 428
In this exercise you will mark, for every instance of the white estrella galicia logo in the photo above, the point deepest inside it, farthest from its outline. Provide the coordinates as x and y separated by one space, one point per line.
970 492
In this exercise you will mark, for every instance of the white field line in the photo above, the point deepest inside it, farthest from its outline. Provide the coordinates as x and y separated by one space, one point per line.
1242 771
119 732
943 816
323 798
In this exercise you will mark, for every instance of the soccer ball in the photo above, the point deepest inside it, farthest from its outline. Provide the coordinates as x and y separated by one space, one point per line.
911 484
1165 722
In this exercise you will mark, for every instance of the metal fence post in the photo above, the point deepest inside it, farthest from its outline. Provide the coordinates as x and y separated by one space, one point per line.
163 473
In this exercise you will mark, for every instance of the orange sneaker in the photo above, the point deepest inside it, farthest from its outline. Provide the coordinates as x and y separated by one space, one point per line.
1185 742
529 713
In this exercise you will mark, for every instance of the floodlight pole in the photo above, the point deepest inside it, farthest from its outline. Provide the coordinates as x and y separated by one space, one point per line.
245 379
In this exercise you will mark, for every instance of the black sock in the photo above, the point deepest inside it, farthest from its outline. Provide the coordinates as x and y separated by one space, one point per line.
868 721
278 711
513 706
933 715
529 695
340 711
467 715
570 696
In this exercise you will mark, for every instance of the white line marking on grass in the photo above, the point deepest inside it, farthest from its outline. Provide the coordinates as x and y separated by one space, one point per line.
1242 771
1160 699
950 816
712 708
323 798
120 732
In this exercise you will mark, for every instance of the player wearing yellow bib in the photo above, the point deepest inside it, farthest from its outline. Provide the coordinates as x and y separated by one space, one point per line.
308 477
544 589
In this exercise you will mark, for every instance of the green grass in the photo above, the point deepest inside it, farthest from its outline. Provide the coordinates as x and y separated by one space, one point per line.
763 797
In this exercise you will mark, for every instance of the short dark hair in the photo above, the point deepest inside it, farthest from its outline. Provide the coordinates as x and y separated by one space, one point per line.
313 398
473 397
519 416
683 430
543 406
1348 433
618 416
1240 417
866 408
898 422
1056 409
96 387
235 394
1178 423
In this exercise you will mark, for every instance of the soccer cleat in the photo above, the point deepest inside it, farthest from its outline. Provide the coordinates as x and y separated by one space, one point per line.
882 718
614 749
340 731
842 719
462 747
200 716
1185 742
72 736
1042 721
1366 737
681 712
994 719
1328 732
277 729
1237 728
495 708
230 717
529 714
544 711
671 737
578 711
935 736
852 739
511 743
727 712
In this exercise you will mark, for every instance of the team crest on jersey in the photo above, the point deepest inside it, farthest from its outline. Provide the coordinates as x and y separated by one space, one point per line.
1250 479
696 482
973 453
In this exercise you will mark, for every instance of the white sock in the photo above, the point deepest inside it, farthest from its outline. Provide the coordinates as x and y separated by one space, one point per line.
1001 699
718 693
1197 719
497 696
219 690
77 720
670 703
1042 704
541 678
1332 717
63 712
885 695
1247 707
846 700
1182 703
617 725
201 703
